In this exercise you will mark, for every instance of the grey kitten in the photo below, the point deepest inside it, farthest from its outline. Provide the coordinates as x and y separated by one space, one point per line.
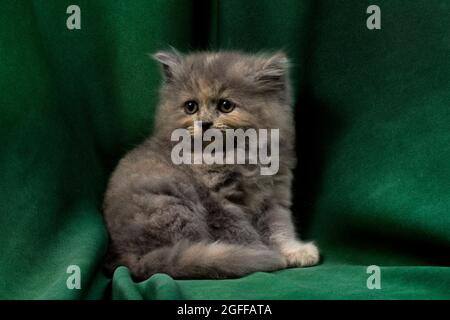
208 221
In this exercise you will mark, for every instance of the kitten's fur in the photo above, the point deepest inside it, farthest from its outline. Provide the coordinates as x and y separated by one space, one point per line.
208 221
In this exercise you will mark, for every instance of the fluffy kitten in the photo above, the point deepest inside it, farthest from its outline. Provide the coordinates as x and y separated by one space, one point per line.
208 221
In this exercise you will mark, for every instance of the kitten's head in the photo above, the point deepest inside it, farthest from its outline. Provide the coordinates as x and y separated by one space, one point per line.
223 90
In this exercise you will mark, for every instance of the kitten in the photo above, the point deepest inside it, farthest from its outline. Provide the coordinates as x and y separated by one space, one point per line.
208 221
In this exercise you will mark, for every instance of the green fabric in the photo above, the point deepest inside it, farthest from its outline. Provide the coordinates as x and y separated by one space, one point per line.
373 117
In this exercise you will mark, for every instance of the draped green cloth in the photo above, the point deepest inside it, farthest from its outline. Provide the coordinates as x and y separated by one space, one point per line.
373 137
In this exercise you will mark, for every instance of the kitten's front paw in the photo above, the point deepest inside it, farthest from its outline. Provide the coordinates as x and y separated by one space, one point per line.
300 254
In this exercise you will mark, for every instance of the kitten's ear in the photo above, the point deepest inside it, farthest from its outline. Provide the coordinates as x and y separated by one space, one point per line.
273 72
170 61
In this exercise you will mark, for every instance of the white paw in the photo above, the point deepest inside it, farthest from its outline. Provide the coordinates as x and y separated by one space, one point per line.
300 254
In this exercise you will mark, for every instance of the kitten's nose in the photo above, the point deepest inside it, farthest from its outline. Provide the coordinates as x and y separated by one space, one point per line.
206 125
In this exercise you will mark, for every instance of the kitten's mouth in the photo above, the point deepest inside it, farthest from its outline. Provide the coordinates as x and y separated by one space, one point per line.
222 128
193 129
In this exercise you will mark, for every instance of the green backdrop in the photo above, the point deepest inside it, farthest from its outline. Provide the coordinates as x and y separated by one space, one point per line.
373 117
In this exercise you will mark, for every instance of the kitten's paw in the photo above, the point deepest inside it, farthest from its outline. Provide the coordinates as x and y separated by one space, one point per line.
300 254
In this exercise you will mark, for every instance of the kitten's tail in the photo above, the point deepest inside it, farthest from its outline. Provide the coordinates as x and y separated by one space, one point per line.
205 260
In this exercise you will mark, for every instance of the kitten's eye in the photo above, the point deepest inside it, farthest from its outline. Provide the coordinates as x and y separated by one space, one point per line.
190 107
225 106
